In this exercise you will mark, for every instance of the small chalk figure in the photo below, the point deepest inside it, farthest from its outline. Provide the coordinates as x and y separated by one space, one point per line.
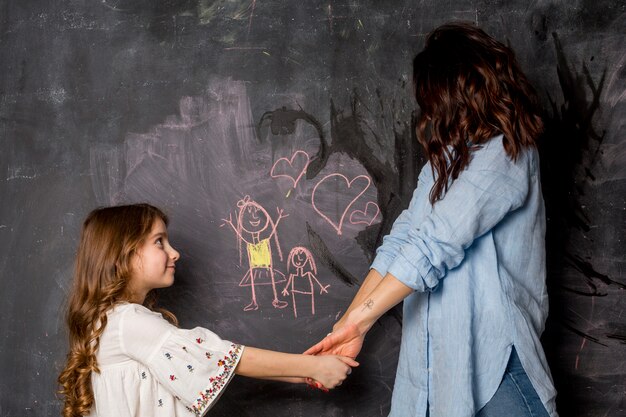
303 278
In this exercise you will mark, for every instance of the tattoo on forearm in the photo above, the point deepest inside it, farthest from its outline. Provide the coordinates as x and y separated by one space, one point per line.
369 304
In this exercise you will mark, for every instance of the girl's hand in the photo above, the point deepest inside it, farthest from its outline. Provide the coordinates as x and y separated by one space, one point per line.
332 370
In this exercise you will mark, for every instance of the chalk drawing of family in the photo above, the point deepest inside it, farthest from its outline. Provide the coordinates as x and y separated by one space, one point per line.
255 227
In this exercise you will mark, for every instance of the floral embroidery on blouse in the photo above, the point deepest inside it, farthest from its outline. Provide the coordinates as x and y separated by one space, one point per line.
143 375
160 402
168 356
190 368
219 381
173 378
208 355
199 340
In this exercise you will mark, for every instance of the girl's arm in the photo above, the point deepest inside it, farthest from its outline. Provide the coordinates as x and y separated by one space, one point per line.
330 371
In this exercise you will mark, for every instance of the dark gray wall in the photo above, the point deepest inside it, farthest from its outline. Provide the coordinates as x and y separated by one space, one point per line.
188 104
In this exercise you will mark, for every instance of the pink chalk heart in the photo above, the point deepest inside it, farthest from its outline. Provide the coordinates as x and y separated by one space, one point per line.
293 168
366 216
351 190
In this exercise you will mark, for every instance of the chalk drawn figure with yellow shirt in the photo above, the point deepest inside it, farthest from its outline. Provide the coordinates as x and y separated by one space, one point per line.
257 230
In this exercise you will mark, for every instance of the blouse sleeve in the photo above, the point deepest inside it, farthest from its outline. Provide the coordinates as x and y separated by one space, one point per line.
194 365
487 190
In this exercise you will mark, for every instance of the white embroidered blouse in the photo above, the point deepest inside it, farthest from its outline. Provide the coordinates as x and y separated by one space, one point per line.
149 367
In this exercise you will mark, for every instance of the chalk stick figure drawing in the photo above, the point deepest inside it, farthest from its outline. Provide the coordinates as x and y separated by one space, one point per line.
302 277
356 187
256 228
293 168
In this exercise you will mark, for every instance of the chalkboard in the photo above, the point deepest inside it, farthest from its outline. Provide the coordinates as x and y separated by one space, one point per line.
302 110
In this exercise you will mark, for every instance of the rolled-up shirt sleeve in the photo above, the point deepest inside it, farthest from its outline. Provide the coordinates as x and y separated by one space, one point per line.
388 251
419 255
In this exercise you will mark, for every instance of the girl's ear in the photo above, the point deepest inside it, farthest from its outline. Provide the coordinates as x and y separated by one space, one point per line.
135 261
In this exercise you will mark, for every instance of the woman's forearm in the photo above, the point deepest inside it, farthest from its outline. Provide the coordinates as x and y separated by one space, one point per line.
347 337
371 281
389 292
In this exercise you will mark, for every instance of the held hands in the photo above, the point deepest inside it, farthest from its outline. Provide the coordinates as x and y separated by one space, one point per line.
331 371
345 341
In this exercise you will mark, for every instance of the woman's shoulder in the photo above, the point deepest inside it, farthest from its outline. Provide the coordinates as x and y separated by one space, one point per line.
492 156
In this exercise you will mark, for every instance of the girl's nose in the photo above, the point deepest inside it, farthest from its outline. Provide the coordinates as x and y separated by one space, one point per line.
174 254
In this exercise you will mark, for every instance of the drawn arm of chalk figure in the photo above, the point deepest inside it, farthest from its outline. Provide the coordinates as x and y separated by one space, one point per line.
275 224
323 288
274 232
289 281
230 223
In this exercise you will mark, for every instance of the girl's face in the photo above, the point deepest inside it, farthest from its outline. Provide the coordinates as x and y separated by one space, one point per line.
253 218
153 263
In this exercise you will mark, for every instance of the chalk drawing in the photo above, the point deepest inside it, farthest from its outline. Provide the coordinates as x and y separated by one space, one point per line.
366 216
302 277
256 228
357 187
293 168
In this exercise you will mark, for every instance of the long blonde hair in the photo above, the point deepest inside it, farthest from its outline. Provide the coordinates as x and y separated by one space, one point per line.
110 237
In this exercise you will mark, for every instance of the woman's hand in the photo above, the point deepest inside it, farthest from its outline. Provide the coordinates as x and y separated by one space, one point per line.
345 341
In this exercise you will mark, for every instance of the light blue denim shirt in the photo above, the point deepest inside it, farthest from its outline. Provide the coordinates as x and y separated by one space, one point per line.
476 260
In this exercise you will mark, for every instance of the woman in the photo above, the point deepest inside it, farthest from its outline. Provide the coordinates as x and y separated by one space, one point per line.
468 255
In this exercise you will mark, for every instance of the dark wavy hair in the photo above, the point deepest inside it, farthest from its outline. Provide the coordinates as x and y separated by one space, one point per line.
110 238
470 88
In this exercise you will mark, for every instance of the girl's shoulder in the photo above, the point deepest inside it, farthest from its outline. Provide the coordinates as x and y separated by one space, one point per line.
125 309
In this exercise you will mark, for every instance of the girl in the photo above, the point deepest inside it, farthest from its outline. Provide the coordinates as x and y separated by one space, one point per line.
467 256
128 358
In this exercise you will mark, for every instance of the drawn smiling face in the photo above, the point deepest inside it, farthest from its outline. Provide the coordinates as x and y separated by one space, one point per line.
253 218
299 259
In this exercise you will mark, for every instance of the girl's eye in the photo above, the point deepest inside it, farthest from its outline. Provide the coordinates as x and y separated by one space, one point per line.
159 242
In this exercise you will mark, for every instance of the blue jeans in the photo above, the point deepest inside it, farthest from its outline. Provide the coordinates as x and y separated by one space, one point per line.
515 396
